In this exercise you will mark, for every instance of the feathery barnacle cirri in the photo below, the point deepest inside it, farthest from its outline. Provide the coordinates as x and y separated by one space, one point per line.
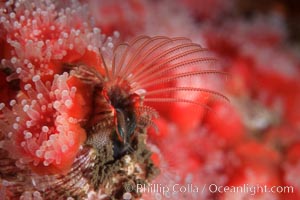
141 71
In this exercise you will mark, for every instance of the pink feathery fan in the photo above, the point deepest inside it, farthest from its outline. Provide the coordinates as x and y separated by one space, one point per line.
146 71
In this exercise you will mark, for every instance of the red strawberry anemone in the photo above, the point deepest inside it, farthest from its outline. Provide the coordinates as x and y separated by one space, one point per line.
40 127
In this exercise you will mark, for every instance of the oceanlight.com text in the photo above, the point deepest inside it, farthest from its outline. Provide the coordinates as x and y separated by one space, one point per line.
170 190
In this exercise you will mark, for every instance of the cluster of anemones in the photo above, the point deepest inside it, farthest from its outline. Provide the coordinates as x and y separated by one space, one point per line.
39 126
38 118
43 107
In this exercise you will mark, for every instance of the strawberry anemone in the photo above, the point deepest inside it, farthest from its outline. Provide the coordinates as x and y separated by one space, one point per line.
42 126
